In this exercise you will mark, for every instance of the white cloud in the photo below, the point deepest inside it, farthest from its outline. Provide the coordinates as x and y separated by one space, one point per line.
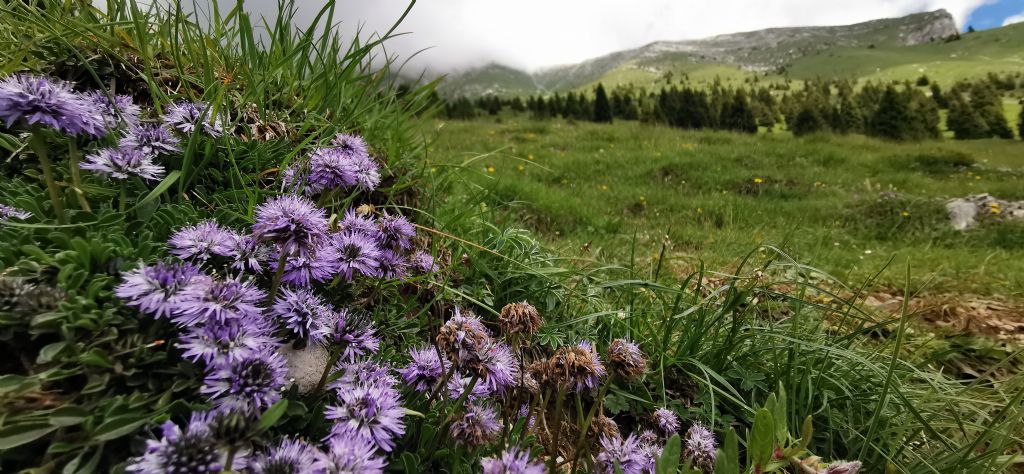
1019 18
530 34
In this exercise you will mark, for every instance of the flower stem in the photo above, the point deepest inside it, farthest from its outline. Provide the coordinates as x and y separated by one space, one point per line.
274 285
76 176
553 456
124 196
327 371
231 459
38 144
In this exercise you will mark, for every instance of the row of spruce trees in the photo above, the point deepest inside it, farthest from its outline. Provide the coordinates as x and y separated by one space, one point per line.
895 111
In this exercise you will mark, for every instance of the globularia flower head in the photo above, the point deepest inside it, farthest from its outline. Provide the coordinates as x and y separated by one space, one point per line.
423 262
368 411
424 370
353 222
843 467
251 381
250 255
367 173
520 318
392 265
622 453
202 242
303 313
396 232
123 163
512 461
463 338
44 101
233 426
577 368
150 138
329 169
228 339
186 116
356 253
364 372
497 368
11 212
626 360
699 446
350 454
294 223
351 145
477 427
220 300
159 290
289 456
190 450
603 426
458 385
115 110
303 269
354 332
666 420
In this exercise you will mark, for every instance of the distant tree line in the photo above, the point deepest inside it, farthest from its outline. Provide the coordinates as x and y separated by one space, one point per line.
896 111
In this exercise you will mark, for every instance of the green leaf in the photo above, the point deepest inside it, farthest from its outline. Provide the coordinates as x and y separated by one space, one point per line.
806 433
727 459
96 358
160 188
17 435
779 415
50 351
668 462
413 413
410 463
118 427
273 414
68 415
761 444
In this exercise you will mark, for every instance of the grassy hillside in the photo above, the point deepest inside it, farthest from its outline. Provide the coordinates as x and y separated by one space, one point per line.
714 197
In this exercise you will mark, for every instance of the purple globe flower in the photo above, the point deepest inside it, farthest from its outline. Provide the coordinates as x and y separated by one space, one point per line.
624 453
367 173
39 100
423 262
294 223
185 116
253 381
220 300
512 461
250 255
288 456
459 384
666 420
302 270
392 265
151 139
396 232
356 253
116 110
193 449
203 241
330 169
230 339
11 212
497 368
351 145
477 427
293 178
159 290
123 163
365 372
371 412
354 332
425 369
303 313
350 454
353 223
699 446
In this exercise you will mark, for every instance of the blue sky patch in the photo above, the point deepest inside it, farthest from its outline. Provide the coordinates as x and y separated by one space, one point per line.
994 14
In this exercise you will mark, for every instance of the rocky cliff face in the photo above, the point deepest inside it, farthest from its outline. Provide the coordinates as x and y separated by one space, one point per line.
762 50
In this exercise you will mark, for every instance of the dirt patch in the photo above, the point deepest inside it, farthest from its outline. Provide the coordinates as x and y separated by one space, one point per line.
959 314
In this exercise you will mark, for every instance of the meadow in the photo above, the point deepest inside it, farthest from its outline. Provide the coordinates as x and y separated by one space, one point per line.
856 208
226 252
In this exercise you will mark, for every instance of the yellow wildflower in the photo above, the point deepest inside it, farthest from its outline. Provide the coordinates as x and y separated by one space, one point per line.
758 180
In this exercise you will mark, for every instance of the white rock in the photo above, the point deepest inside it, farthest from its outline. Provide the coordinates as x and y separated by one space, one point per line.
305 366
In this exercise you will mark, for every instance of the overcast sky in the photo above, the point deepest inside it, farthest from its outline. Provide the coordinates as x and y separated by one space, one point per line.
531 34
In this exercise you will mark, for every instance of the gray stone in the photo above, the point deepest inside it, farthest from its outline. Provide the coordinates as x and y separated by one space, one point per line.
965 212
305 366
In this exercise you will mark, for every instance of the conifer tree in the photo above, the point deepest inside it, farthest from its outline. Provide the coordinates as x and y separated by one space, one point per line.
987 102
964 121
602 108
807 121
938 96
892 118
1020 124
737 116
